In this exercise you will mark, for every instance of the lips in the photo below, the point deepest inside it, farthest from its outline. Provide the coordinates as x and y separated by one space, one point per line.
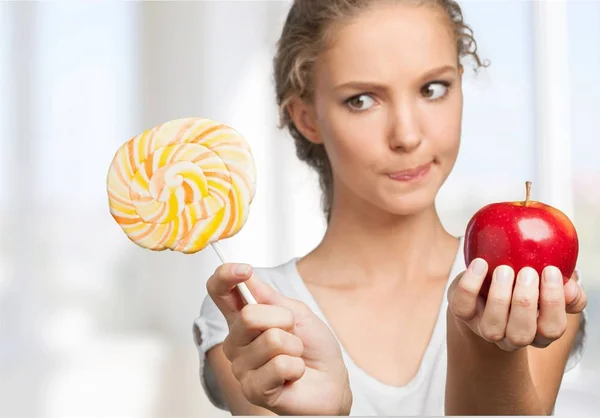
412 173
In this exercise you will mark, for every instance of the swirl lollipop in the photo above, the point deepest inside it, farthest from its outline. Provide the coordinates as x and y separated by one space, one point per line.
183 185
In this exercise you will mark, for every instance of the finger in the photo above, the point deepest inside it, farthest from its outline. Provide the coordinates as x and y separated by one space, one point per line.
255 319
463 293
221 287
494 320
263 386
522 320
575 297
266 346
552 320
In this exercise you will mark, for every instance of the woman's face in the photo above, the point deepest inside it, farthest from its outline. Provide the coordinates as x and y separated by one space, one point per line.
388 107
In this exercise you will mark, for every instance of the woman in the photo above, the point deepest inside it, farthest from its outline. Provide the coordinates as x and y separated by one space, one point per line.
382 317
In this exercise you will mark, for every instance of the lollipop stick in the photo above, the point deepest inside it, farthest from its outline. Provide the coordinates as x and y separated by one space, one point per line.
248 297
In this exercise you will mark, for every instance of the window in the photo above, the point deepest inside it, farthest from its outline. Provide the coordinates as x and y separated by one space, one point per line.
497 152
115 320
584 47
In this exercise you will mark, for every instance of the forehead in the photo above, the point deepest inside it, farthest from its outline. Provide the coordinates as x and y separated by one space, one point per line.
389 40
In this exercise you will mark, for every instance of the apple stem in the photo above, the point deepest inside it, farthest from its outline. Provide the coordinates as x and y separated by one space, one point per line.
527 192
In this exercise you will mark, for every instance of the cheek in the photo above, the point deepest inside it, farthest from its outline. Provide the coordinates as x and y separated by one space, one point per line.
348 138
345 147
444 128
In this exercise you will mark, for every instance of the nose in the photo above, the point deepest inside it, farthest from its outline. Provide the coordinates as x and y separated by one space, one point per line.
405 133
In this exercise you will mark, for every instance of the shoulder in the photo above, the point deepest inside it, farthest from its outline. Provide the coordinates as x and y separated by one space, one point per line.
282 277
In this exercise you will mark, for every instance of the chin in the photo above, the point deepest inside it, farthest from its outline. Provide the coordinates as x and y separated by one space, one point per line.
409 204
408 209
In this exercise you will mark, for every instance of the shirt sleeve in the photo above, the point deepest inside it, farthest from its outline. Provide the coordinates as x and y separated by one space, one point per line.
209 329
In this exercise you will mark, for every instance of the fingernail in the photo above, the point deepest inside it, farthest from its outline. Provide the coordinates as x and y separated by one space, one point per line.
527 276
503 274
553 275
478 266
241 270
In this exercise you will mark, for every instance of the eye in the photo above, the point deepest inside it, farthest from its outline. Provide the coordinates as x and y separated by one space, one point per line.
435 90
361 102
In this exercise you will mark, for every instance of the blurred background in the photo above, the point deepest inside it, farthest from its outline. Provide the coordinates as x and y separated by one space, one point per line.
93 326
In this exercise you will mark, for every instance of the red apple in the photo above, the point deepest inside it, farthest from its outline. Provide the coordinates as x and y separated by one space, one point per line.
521 234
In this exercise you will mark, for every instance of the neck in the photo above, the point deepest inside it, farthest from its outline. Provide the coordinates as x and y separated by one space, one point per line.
360 249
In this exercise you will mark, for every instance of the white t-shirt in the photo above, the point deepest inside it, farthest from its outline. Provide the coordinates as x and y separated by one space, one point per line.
423 395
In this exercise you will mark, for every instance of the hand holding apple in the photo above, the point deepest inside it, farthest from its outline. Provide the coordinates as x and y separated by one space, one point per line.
524 310
521 234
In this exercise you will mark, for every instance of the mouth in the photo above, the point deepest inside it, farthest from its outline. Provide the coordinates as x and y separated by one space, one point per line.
412 174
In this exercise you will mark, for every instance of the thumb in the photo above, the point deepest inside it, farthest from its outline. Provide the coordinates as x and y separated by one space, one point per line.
575 297
266 295
221 287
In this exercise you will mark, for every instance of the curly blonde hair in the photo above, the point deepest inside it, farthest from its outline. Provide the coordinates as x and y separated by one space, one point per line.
304 35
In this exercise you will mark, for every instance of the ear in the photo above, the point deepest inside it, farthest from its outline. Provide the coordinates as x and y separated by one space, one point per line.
461 70
304 118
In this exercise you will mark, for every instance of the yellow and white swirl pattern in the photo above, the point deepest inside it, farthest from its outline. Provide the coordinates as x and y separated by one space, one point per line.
182 185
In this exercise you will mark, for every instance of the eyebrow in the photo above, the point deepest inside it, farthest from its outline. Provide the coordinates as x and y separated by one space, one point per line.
366 85
440 70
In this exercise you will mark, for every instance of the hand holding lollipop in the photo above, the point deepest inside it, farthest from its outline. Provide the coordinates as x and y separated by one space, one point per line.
189 183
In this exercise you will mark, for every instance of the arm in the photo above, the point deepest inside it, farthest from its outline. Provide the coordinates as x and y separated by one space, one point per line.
230 387
483 379
547 365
